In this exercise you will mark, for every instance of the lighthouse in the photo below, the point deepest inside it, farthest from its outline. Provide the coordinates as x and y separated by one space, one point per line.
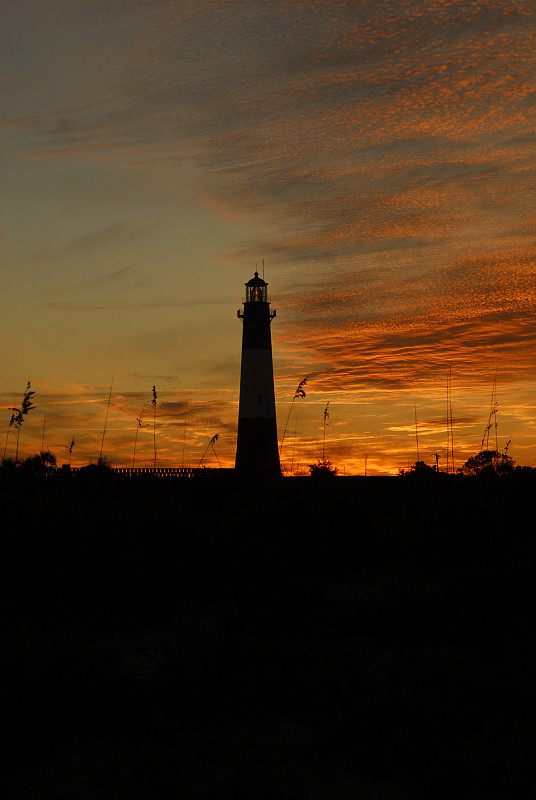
256 451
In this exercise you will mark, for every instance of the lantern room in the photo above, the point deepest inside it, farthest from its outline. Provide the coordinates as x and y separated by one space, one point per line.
256 290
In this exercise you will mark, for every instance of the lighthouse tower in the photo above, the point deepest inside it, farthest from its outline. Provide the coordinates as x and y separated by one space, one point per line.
256 450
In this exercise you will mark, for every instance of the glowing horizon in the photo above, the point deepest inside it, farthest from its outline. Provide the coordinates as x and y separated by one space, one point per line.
184 427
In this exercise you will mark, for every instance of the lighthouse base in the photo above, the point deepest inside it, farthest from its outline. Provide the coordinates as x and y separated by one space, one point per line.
257 450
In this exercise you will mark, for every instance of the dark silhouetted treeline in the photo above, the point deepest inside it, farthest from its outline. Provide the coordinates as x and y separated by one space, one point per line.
211 639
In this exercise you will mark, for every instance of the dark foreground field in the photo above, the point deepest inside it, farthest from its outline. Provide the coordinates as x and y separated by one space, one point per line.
362 638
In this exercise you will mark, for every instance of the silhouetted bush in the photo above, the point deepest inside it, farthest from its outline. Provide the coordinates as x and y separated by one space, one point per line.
419 469
488 463
322 469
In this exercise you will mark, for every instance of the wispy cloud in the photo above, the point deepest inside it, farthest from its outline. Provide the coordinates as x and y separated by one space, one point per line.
117 305
87 244
116 234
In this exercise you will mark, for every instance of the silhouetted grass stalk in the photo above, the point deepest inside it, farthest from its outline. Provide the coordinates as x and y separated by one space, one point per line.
209 445
326 417
213 442
106 417
416 432
153 401
184 440
140 425
496 405
293 446
70 448
7 439
298 393
17 417
448 424
451 422
494 408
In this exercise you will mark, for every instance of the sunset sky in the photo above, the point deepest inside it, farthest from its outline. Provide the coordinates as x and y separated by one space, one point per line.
380 156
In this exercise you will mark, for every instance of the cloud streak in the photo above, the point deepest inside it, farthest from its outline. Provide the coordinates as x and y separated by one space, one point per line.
112 305
99 240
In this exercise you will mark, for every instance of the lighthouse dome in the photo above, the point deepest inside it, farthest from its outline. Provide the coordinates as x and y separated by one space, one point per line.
256 281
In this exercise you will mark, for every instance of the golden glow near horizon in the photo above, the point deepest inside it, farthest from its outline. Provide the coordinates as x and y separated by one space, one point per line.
380 156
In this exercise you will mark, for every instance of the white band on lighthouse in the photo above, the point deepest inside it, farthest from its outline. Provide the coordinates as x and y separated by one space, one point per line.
257 397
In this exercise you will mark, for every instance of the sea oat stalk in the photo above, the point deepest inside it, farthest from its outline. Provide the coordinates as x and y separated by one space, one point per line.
153 401
326 417
211 444
106 418
300 392
140 422
70 448
17 417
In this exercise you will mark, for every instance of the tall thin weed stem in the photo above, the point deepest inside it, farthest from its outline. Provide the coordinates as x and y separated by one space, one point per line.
106 418
209 445
140 425
300 392
326 417
17 417
153 401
